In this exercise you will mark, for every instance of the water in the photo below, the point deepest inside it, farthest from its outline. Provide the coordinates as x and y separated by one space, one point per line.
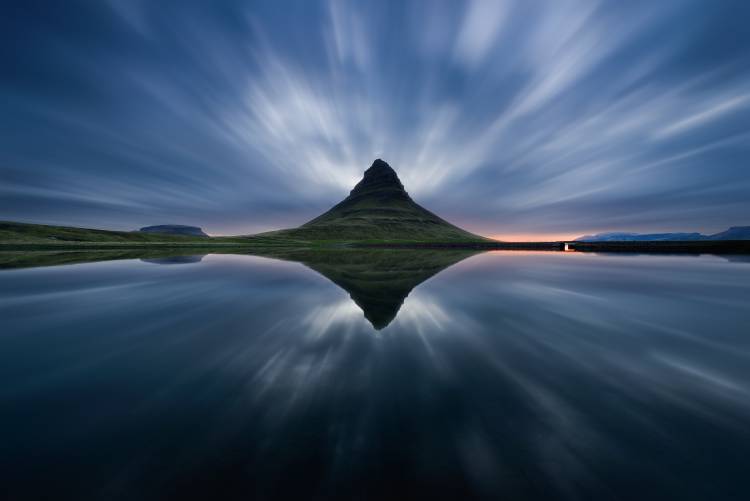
506 375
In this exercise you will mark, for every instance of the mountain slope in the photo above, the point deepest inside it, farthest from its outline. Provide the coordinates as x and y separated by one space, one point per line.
733 233
379 209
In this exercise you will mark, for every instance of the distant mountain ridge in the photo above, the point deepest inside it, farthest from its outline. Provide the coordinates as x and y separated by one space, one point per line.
733 233
174 229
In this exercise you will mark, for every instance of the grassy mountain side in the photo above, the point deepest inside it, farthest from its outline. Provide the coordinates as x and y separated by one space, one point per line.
378 209
41 235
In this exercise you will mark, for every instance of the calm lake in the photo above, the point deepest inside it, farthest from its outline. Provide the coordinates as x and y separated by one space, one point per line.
387 374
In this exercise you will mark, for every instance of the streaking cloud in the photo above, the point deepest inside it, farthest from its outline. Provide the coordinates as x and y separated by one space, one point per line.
507 117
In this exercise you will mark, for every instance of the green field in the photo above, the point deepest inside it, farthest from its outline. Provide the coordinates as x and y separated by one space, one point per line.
39 236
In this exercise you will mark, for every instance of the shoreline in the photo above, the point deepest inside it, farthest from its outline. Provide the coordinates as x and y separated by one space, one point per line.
712 246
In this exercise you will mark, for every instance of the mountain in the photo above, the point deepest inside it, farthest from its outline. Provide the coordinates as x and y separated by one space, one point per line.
639 237
733 233
174 229
378 209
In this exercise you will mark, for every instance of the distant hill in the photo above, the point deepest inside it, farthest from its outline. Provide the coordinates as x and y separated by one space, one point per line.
378 209
733 233
41 234
174 229
639 237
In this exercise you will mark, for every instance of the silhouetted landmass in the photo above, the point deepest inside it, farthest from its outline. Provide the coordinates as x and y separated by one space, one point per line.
174 229
377 213
733 233
378 209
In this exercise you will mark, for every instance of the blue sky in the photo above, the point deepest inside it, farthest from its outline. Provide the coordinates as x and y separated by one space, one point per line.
510 118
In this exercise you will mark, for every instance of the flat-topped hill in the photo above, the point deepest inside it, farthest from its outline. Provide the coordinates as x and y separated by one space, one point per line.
174 229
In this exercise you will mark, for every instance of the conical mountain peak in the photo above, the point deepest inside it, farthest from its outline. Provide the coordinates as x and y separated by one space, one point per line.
380 176
378 209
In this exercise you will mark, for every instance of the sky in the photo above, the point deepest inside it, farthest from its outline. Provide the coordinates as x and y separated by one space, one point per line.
526 119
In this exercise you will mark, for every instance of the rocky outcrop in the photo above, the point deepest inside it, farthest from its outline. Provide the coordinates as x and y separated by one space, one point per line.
379 177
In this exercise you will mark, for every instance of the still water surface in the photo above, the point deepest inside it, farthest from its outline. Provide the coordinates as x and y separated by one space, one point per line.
503 375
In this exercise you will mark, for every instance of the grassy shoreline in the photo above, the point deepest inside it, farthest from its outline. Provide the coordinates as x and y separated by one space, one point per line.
32 237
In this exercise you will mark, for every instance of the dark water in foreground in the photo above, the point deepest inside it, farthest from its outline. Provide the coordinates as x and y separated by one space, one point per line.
507 375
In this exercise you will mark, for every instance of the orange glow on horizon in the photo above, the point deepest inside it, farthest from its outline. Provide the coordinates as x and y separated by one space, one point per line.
535 237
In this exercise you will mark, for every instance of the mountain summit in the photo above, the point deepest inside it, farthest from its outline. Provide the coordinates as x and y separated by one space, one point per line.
380 177
379 209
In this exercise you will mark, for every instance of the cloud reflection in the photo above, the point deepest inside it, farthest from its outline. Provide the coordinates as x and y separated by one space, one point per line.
506 375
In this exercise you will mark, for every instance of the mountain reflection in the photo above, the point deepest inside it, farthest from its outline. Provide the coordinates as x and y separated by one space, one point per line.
377 280
513 375
196 258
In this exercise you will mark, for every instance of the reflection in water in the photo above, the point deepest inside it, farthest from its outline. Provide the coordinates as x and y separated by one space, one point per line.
377 280
11 259
508 375
175 259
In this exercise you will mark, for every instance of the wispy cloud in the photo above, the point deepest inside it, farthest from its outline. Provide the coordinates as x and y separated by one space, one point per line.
510 117
480 27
